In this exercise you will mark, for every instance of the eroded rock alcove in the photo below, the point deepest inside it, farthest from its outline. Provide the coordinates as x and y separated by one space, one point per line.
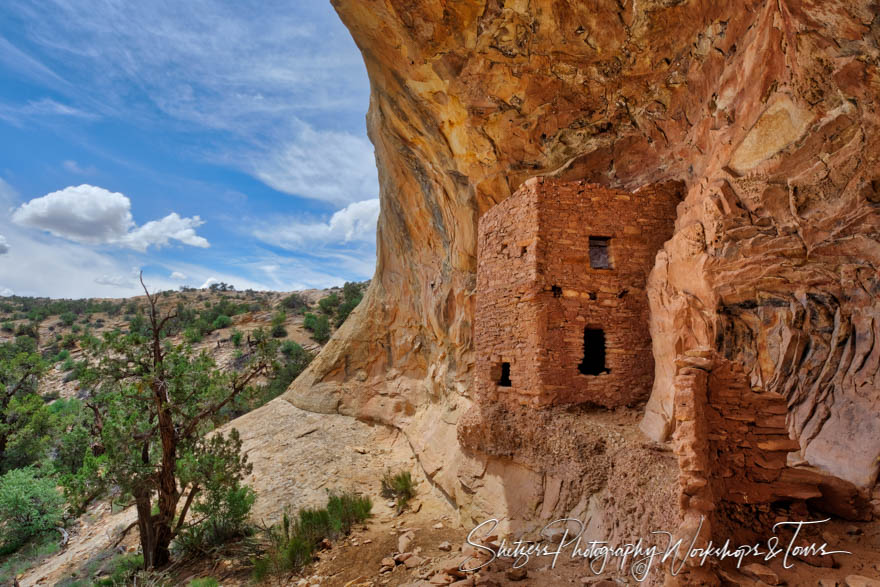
764 111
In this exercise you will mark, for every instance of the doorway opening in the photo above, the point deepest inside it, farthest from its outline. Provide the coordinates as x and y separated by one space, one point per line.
593 362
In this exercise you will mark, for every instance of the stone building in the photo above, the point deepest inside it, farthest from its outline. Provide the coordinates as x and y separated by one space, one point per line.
561 312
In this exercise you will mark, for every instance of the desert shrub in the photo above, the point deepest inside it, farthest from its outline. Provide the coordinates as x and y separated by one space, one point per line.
73 441
192 335
236 338
29 506
76 371
278 330
398 486
295 302
224 512
321 332
293 541
8 327
68 364
63 355
204 582
296 359
122 569
69 341
29 431
319 325
27 556
329 304
352 294
29 329
289 348
221 321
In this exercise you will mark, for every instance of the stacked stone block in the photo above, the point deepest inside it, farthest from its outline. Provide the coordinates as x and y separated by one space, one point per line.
537 292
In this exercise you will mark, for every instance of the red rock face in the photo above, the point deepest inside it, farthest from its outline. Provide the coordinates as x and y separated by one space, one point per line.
766 111
562 313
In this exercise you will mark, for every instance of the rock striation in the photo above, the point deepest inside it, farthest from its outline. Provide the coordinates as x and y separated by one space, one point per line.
766 112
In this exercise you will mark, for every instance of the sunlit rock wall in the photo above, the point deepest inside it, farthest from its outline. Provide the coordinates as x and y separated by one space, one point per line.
765 110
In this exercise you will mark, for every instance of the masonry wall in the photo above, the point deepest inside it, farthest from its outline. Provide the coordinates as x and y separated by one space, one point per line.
613 300
507 328
537 292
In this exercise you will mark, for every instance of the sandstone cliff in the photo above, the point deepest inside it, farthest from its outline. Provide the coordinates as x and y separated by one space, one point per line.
766 111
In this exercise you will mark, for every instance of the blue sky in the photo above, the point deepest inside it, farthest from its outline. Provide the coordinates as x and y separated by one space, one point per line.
193 140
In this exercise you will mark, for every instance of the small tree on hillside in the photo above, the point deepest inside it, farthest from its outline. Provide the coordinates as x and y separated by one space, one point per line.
153 404
20 370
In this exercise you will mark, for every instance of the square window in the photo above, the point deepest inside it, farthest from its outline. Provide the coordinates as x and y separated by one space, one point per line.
600 254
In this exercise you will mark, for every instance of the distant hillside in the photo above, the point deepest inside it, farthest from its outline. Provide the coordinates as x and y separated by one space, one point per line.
218 320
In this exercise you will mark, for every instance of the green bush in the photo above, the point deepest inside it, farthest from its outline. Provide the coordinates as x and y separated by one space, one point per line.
8 327
322 330
319 325
236 338
27 557
278 331
295 302
309 321
192 335
398 486
122 569
345 309
296 359
63 355
68 318
205 582
293 541
224 510
221 321
29 506
329 304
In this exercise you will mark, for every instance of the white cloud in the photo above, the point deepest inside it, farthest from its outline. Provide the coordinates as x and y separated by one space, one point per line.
92 215
220 66
160 232
335 167
114 280
17 113
4 246
356 223
5 292
209 282
178 275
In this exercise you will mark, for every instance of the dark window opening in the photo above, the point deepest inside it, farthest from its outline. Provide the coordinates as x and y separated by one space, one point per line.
594 352
557 291
600 255
504 380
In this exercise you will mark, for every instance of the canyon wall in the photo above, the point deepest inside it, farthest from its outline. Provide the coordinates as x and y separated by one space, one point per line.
765 111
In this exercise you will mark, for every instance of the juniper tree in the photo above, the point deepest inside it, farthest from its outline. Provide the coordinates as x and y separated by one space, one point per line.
20 370
154 402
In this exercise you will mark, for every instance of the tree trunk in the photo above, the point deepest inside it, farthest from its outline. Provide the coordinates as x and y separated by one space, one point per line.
145 528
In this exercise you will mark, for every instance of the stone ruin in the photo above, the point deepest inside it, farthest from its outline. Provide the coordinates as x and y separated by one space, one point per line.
562 312
562 317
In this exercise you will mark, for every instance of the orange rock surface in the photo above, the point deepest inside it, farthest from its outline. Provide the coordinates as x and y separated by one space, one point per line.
765 111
